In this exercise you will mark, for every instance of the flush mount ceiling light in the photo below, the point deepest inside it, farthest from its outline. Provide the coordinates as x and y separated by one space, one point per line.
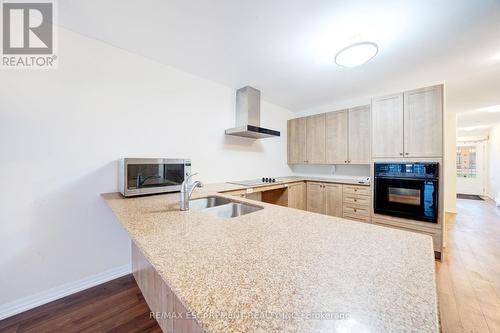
356 54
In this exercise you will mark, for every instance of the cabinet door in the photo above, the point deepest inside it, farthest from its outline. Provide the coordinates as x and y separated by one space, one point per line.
297 196
336 137
387 126
333 199
297 140
359 135
315 198
424 122
315 143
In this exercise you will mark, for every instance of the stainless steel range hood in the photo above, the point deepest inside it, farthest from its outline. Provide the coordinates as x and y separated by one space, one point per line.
248 116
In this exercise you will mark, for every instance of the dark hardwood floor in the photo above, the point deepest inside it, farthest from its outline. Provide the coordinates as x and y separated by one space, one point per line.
116 306
468 281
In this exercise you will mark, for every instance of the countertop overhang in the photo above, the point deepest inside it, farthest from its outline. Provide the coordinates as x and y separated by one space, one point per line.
329 273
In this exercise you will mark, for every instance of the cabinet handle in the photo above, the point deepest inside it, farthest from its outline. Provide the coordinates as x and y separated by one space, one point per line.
345 161
407 153
355 210
400 154
355 190
355 200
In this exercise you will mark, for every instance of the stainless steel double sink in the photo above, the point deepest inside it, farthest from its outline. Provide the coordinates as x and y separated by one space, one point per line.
222 207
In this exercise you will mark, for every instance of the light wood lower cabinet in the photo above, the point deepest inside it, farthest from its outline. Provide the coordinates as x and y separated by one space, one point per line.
324 198
297 195
356 202
160 298
333 199
316 198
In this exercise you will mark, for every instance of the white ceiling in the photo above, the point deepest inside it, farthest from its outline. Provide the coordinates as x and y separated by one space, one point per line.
286 48
477 121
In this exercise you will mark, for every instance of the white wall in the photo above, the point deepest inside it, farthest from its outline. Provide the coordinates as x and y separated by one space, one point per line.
61 132
450 169
493 183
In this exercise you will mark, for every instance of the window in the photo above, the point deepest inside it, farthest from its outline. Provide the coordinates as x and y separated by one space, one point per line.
466 162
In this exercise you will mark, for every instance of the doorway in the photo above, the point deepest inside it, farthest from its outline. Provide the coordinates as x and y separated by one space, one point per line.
471 167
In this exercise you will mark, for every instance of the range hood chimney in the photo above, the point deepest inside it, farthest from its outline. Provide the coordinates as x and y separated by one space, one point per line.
248 116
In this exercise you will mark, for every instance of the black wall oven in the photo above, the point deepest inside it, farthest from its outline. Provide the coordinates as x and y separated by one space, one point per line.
408 190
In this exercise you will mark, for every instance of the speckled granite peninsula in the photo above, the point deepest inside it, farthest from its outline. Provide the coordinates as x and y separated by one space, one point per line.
277 269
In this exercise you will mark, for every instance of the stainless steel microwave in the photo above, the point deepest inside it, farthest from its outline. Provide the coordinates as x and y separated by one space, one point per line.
140 176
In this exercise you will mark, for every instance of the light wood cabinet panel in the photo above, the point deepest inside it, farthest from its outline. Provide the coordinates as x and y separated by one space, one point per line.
387 126
336 137
356 202
423 125
356 210
357 189
159 296
297 196
315 139
297 140
357 217
359 135
333 199
315 198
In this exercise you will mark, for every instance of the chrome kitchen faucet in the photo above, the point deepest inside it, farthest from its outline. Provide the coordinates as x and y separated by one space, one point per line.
187 189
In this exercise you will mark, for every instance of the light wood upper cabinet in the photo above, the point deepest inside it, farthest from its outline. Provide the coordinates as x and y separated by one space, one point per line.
297 140
336 137
315 139
387 126
297 194
333 199
315 198
359 135
423 125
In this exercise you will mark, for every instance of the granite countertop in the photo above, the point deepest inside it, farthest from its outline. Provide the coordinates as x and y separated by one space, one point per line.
226 187
334 179
280 261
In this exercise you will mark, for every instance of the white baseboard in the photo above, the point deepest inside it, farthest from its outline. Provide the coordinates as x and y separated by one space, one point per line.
47 296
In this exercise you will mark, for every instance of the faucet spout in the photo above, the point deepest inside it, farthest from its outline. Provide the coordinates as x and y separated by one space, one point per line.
187 190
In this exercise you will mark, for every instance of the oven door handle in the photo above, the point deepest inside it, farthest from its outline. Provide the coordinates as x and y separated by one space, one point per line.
412 178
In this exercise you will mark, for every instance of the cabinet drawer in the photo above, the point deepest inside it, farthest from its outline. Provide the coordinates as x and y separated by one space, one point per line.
357 200
352 210
353 189
355 217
